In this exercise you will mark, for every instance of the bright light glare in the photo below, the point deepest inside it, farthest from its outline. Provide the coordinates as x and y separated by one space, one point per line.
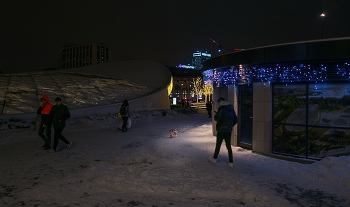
322 15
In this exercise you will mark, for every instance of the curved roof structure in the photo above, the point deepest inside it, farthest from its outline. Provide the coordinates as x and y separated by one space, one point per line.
315 50
95 85
317 60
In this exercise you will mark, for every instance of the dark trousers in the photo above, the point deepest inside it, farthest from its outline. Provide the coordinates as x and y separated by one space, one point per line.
125 120
209 113
58 136
47 130
219 138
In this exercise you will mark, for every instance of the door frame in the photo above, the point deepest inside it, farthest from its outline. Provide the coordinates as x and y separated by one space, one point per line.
244 88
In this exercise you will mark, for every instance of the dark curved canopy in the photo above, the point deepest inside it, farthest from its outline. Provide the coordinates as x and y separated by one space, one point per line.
316 50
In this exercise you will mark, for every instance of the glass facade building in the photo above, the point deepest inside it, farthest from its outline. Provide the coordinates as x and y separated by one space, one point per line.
198 58
75 56
292 99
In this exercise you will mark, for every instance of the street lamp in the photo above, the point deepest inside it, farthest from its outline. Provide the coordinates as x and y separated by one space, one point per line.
322 15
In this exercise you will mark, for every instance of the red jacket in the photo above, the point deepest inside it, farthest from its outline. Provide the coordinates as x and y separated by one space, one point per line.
45 110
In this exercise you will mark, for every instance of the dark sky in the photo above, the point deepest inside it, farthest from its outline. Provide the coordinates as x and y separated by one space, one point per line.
33 32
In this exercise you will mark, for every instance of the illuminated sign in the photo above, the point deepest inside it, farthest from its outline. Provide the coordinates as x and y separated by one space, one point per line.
186 66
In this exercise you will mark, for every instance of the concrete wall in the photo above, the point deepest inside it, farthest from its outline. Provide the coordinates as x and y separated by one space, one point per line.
143 72
262 118
157 100
217 93
233 99
230 94
262 115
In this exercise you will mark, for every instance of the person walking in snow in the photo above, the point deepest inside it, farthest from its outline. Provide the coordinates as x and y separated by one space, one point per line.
225 119
125 113
209 108
59 114
45 122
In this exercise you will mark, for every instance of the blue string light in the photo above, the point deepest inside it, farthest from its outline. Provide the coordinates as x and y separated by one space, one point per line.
287 73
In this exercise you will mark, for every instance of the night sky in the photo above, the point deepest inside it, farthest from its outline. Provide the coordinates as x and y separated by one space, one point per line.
33 32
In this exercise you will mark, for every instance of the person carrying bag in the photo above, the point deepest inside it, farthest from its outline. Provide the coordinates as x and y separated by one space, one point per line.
124 112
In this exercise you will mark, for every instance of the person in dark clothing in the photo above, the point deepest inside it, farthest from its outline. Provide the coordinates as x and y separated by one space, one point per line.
209 108
45 122
225 119
125 113
59 114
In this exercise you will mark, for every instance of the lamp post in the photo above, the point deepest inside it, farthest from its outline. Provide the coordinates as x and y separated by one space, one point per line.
322 15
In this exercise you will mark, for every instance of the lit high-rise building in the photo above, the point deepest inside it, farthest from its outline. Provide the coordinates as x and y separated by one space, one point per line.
75 56
198 58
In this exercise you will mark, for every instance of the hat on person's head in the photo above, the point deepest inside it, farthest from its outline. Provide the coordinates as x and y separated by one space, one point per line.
58 99
221 99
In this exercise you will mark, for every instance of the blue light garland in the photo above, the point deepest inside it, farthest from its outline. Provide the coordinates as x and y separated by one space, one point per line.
317 72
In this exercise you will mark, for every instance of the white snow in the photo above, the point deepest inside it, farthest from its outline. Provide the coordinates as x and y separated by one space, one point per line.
145 167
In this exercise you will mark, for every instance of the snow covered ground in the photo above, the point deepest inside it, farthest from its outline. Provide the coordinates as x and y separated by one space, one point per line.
145 167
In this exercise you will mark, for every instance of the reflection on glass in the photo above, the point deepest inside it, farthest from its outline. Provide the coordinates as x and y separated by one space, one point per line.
288 142
289 105
328 109
332 102
325 142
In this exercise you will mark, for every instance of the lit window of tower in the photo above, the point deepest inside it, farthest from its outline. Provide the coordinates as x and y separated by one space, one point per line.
75 56
198 58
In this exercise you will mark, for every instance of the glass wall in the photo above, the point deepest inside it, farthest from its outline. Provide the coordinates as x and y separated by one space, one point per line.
311 120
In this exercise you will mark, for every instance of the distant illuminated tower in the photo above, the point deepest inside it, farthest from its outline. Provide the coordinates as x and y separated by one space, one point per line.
75 56
198 58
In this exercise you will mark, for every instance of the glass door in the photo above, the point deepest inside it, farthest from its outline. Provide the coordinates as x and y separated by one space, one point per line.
245 117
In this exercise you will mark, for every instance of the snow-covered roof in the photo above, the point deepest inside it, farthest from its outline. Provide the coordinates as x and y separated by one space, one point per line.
96 85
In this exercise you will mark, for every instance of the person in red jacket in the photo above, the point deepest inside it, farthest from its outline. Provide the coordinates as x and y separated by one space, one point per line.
45 122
